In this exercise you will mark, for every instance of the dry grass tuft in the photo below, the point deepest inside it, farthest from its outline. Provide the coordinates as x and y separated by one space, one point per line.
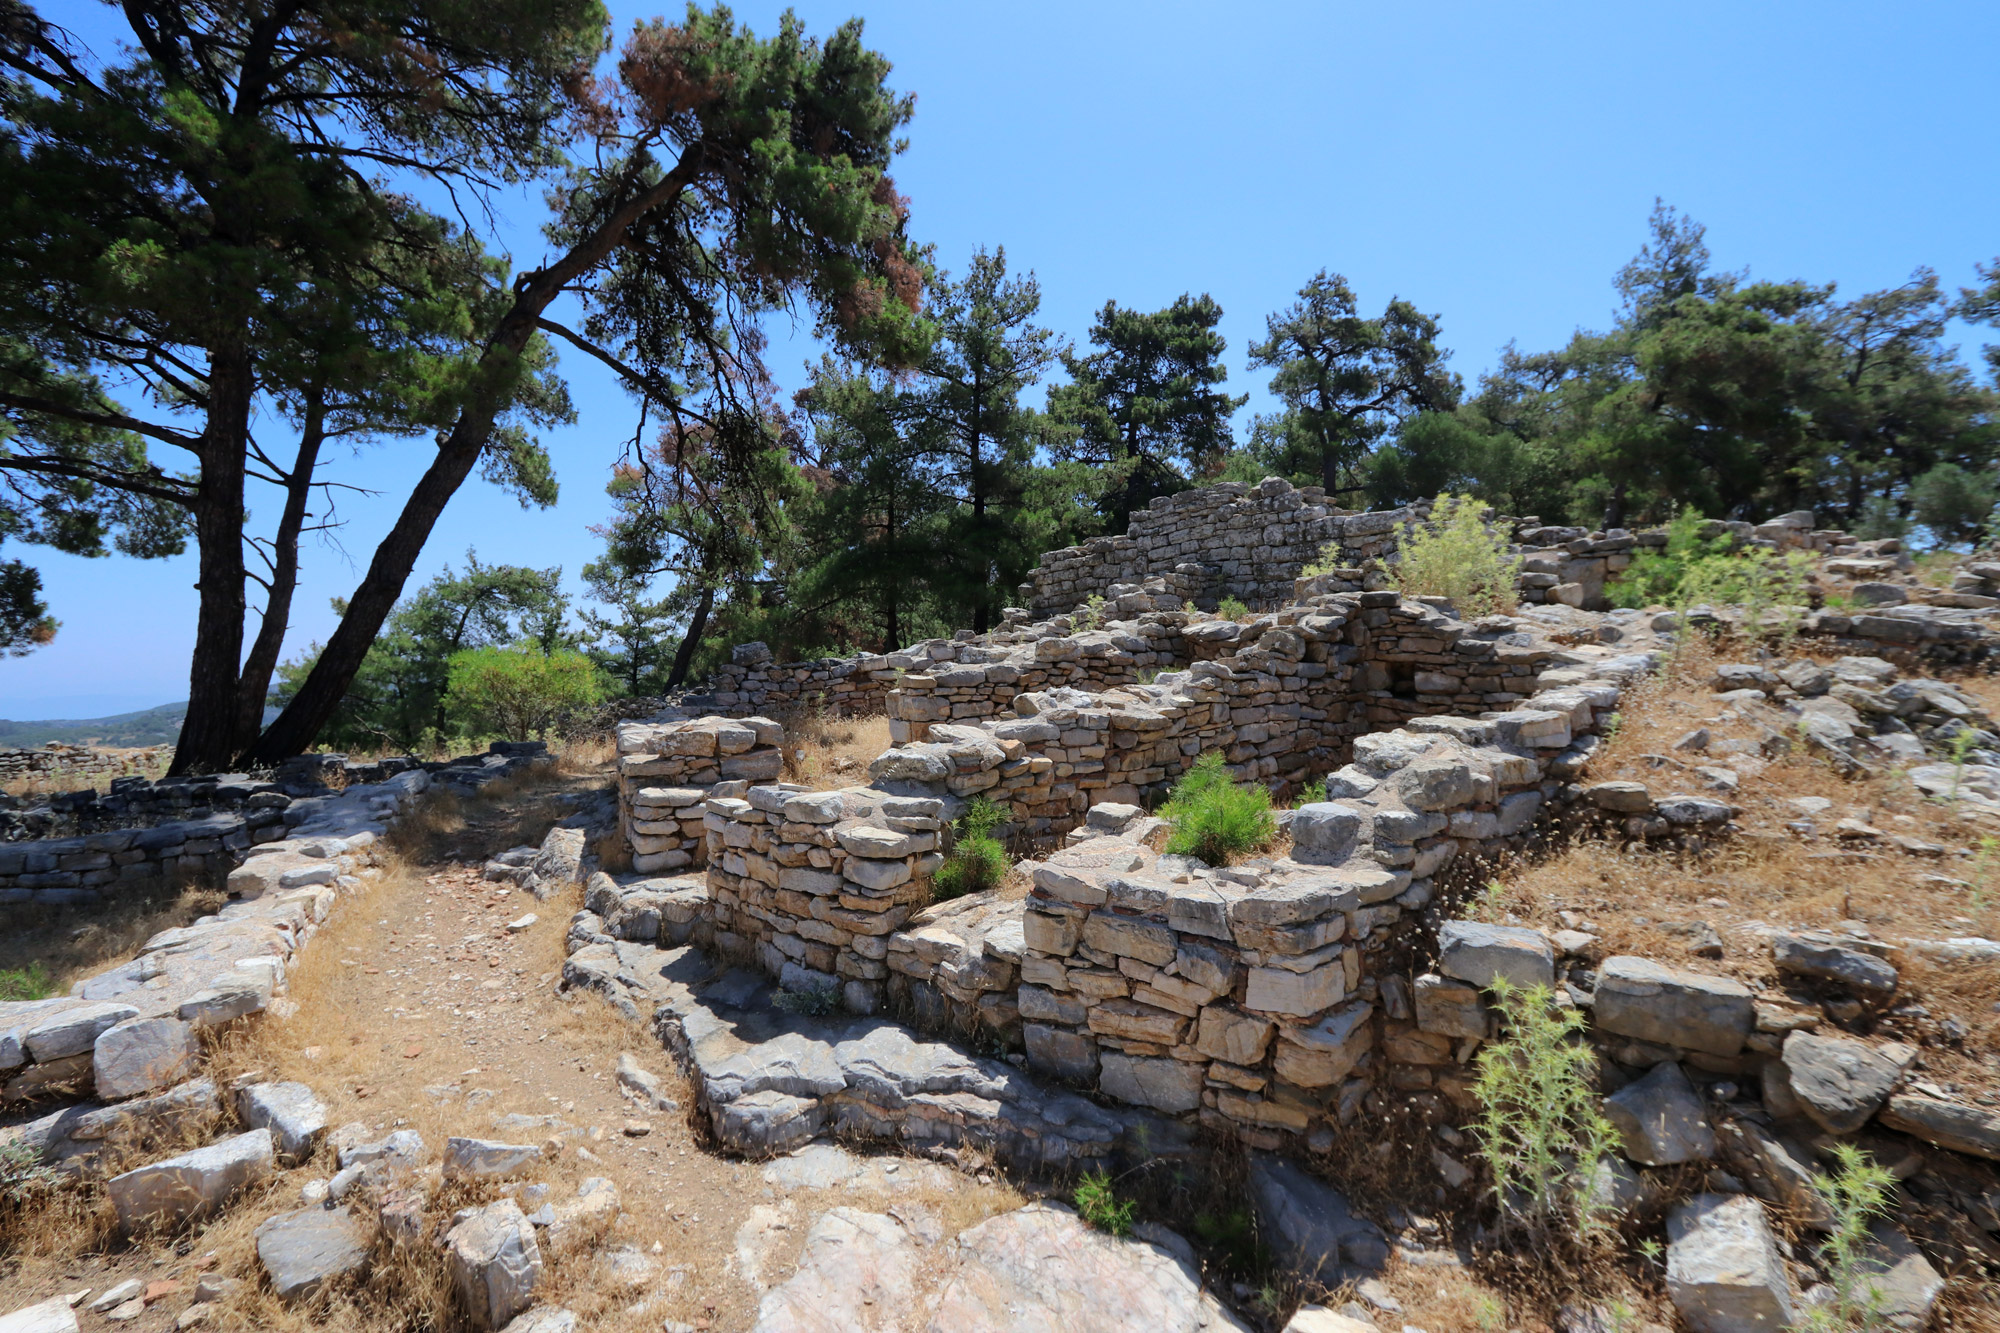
72 942
825 751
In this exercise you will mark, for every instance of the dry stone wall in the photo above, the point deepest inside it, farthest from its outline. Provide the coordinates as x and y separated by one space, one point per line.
668 770
1268 999
1282 697
59 760
134 1029
1230 540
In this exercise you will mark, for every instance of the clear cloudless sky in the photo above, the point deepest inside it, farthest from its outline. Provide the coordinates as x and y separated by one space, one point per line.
1494 163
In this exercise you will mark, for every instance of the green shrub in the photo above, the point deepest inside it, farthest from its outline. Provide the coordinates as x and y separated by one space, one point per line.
1539 1126
1655 574
1856 1194
977 861
1232 608
1214 818
1312 793
1953 503
1695 569
1455 554
520 692
1092 614
26 983
1099 1205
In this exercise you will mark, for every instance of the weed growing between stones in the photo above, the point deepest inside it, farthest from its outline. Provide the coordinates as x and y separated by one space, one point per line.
1539 1126
1232 608
808 1003
1214 818
1312 793
1097 1202
26 983
1455 554
1856 1193
978 861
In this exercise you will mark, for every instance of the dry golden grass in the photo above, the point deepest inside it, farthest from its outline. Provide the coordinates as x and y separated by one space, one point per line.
69 943
826 752
1774 876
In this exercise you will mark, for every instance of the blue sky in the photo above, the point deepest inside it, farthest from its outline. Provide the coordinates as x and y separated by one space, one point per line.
1493 163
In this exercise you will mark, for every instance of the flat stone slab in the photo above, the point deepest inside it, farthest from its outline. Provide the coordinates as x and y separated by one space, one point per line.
302 1251
1038 1269
770 1080
1955 1125
51 1316
1637 997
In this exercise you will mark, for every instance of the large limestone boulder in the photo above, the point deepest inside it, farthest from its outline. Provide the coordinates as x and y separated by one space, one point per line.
191 1186
1041 1269
1841 1083
1725 1273
495 1263
302 1251
558 865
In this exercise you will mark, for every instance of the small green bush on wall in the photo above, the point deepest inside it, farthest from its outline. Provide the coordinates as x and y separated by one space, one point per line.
1214 818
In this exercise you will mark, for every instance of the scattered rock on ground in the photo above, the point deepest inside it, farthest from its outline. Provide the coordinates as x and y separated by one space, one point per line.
295 1117
495 1263
1725 1273
302 1251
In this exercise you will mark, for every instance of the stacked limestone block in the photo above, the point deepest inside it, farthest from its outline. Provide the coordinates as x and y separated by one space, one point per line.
1247 542
810 885
955 967
1088 660
1286 698
666 771
1234 996
753 682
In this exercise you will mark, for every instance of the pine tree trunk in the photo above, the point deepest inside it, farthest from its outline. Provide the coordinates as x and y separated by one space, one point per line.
313 706
698 622
208 737
255 686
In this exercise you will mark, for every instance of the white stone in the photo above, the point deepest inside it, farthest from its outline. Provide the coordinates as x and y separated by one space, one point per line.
1724 1271
141 1055
52 1316
495 1263
192 1185
295 1117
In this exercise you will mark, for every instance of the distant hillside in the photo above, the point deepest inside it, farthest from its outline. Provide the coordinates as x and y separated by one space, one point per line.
150 726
